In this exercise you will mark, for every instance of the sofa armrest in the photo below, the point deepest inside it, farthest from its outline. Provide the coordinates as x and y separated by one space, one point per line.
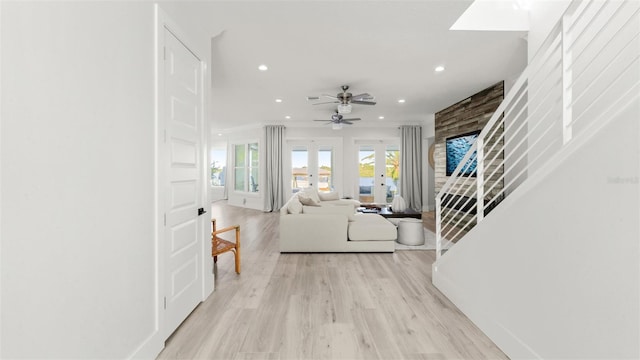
313 232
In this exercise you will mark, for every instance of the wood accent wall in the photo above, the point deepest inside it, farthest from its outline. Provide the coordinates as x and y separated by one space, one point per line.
465 116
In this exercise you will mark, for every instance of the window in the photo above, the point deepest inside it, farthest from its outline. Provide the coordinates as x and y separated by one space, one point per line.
218 167
246 174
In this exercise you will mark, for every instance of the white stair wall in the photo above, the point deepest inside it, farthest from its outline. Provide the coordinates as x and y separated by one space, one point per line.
553 272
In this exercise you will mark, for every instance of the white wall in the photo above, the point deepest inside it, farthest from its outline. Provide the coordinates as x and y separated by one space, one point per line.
77 179
429 178
78 256
553 272
429 174
543 16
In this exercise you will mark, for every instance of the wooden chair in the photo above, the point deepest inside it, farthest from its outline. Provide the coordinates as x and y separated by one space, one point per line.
219 245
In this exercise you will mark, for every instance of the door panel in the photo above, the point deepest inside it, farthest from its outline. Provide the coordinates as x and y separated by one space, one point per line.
392 172
378 172
183 193
299 168
325 169
183 236
183 248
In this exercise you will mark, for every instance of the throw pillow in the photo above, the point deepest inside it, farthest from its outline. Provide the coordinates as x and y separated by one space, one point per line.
329 196
312 193
294 206
307 200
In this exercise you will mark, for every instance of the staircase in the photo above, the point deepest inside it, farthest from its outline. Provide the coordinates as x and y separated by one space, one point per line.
584 73
541 248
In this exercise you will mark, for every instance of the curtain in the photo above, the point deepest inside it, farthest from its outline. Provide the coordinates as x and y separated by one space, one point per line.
274 179
411 166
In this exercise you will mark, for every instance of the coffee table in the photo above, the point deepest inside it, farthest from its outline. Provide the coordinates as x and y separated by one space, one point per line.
408 213
386 213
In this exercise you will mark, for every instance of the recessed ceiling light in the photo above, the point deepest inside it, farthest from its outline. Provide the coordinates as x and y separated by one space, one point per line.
287 117
278 100
381 117
401 101
219 134
439 68
263 67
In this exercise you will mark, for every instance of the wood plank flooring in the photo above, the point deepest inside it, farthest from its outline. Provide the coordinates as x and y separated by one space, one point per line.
322 306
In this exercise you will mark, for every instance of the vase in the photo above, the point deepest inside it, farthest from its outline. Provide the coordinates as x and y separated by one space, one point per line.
398 204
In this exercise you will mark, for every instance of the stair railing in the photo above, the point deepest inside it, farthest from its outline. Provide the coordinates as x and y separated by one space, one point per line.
585 72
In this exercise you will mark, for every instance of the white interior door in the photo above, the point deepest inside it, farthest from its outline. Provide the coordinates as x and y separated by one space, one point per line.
183 235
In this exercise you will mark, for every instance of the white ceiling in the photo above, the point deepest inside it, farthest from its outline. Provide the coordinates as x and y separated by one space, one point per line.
386 48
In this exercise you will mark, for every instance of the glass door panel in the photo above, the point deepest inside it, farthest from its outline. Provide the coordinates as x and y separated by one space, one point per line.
239 163
325 169
392 169
366 173
253 167
299 168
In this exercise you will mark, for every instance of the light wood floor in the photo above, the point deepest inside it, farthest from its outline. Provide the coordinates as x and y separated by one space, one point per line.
323 306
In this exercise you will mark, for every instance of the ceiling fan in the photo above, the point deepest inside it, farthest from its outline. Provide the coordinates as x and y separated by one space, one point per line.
337 120
345 99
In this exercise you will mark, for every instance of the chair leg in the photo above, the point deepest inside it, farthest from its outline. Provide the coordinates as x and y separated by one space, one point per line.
237 255
215 259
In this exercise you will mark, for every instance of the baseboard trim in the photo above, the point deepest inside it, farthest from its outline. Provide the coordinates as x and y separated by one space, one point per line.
150 348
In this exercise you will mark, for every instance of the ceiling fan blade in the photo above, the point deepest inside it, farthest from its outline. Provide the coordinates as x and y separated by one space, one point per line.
327 102
329 96
324 120
363 96
309 98
354 119
363 102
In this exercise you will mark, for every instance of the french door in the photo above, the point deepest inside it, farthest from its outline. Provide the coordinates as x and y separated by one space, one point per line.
378 171
313 164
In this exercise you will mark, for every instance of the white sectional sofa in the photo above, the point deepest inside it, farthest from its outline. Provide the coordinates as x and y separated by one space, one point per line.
332 226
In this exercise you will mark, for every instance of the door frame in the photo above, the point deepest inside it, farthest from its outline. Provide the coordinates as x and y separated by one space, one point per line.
163 21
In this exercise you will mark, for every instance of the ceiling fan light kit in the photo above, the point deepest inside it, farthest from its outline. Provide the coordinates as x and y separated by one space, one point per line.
344 108
337 121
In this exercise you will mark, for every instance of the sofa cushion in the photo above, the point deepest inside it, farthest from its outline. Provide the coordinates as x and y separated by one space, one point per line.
331 210
352 202
294 206
329 196
368 227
